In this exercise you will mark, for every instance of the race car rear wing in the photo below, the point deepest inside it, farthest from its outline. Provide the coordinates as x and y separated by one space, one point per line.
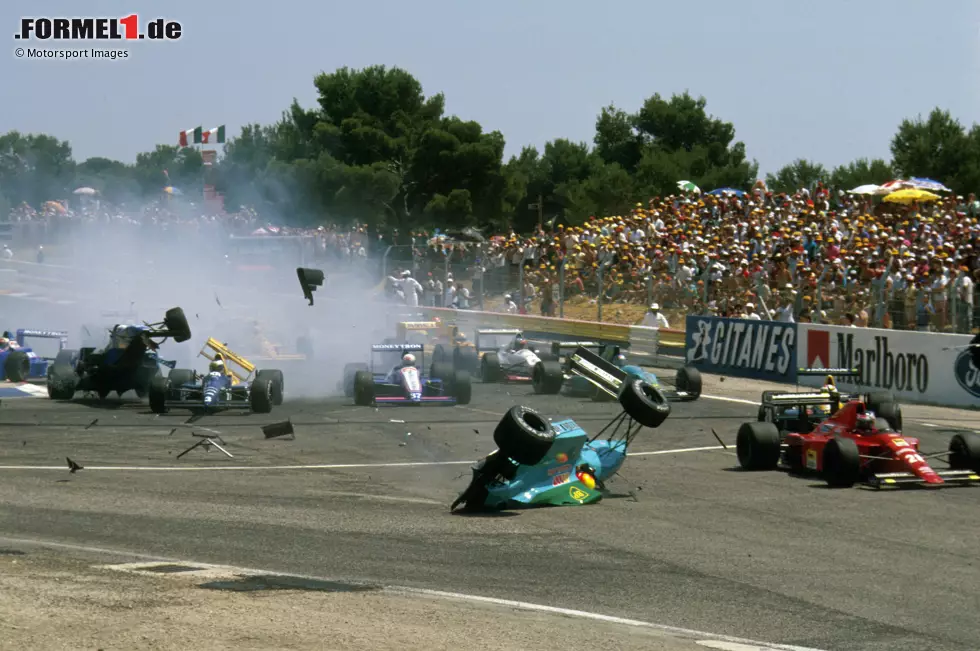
417 325
806 399
407 348
603 374
836 372
509 331
213 348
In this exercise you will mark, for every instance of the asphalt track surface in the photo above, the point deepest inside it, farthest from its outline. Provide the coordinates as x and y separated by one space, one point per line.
683 539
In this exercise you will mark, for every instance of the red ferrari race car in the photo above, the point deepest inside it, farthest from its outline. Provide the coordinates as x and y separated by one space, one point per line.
853 446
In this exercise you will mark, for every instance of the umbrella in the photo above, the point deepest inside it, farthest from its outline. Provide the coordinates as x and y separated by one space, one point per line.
909 195
55 206
870 188
86 191
688 186
737 193
927 184
172 190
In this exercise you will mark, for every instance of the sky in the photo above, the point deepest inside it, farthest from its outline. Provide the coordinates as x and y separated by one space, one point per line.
827 81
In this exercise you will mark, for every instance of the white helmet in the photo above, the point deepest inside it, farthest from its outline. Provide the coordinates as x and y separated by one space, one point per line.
217 365
408 358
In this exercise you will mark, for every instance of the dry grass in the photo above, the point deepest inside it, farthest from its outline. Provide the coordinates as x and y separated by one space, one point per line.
585 309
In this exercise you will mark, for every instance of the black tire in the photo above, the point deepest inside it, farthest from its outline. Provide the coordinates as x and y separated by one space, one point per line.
490 368
524 435
278 384
441 371
841 463
260 396
150 372
891 412
878 398
758 446
964 452
62 378
763 416
176 323
180 376
466 359
363 388
440 355
350 370
645 403
462 387
689 379
17 366
304 347
547 377
883 425
159 388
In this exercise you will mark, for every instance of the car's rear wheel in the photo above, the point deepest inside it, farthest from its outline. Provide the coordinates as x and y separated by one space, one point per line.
645 403
441 371
462 387
350 370
964 452
758 446
179 376
260 396
466 359
891 412
490 368
159 387
547 377
17 366
524 435
841 463
363 388
278 384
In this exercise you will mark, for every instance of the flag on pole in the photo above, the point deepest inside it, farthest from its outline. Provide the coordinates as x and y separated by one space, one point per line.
190 135
198 135
218 133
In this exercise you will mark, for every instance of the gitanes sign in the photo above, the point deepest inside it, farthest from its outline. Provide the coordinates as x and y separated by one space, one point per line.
913 365
765 350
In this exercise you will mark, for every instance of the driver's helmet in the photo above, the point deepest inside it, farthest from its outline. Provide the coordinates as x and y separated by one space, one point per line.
4 342
520 343
408 359
828 384
217 365
620 360
865 422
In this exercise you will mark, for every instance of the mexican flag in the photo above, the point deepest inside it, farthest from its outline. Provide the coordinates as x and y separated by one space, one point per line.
191 136
216 134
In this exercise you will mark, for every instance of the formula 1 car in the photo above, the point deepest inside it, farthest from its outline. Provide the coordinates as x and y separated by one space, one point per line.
218 390
129 362
449 344
686 384
803 411
405 384
19 363
854 446
512 361
556 463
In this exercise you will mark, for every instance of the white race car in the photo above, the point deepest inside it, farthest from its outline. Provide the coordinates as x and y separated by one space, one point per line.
507 360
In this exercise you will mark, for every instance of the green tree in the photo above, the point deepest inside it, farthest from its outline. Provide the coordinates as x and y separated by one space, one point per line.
861 172
938 147
113 180
35 168
799 174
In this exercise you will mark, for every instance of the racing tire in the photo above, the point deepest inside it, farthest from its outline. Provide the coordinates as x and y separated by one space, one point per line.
547 377
763 416
964 452
363 388
645 403
879 398
176 324
466 359
490 368
891 412
440 355
62 378
260 396
350 370
304 346
462 387
17 366
758 446
180 376
688 379
142 388
524 435
841 463
278 384
441 371
159 388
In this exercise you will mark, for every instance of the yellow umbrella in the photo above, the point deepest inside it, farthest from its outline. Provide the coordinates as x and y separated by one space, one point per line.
909 195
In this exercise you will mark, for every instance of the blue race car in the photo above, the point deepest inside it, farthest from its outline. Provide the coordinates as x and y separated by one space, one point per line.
538 462
578 380
221 388
128 363
18 362
404 384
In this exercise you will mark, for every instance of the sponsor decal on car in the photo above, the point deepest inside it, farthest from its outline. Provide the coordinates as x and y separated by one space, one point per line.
811 459
560 479
559 469
577 493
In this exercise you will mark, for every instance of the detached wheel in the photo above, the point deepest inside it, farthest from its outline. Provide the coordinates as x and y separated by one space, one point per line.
490 368
17 366
688 379
524 435
758 446
278 384
547 377
466 359
159 388
462 387
892 413
350 370
645 403
260 396
841 463
964 452
363 388
175 321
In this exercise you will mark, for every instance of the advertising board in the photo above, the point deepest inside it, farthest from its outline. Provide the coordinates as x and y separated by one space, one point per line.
764 350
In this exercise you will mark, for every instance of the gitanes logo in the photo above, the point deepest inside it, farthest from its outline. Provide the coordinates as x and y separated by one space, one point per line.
967 374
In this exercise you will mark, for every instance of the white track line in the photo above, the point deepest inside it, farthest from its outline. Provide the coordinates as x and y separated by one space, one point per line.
688 633
325 466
